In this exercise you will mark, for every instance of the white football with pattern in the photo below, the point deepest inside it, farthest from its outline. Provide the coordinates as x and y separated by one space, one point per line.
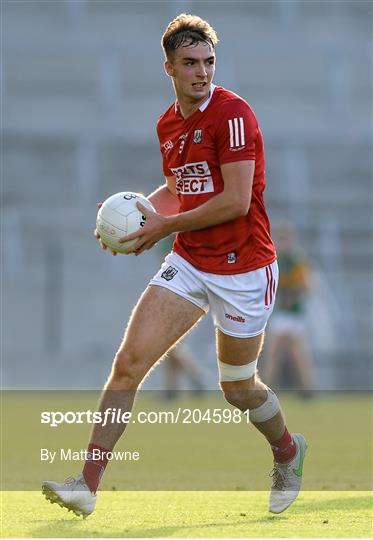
119 216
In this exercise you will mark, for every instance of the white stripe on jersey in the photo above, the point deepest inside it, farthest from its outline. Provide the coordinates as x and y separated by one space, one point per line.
236 132
242 131
230 133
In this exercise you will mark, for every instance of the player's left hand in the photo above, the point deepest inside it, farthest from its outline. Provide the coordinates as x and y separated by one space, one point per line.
156 227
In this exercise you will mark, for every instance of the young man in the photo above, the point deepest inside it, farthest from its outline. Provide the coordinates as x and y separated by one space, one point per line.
223 259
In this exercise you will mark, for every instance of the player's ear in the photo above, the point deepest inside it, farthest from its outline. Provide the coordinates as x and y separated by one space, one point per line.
168 68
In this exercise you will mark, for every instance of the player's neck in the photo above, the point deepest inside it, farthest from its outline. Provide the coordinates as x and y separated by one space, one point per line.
188 108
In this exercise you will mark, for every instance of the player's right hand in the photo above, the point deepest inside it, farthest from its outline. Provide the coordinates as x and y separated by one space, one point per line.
97 236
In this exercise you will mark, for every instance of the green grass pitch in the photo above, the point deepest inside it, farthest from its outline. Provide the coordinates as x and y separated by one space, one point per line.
191 515
219 491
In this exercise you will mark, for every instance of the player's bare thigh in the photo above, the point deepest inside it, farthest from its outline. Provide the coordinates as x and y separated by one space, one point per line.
158 321
238 351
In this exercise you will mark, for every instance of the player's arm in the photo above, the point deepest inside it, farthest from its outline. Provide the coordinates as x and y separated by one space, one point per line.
236 130
238 174
164 199
232 202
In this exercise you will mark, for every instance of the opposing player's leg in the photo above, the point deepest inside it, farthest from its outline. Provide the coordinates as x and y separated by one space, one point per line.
188 365
272 359
159 320
171 374
302 361
242 387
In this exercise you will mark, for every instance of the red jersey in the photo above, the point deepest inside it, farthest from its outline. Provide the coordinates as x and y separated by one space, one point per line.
223 130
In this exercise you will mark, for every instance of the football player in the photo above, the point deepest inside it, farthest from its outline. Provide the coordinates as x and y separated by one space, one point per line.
223 260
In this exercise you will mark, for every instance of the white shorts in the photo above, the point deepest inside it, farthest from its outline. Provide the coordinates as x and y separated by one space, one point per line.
240 303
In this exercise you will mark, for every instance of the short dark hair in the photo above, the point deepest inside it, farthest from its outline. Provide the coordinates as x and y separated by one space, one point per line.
187 30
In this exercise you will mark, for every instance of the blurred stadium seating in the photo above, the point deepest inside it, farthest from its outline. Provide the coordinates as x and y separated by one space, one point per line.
83 86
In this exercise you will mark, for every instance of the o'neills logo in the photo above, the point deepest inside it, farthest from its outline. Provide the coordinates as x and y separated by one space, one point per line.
236 318
193 178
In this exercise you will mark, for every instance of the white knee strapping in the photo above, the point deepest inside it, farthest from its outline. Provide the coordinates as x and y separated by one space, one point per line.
227 372
267 410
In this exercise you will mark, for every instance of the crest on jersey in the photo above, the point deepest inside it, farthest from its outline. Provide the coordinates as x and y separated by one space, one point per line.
197 137
169 273
232 258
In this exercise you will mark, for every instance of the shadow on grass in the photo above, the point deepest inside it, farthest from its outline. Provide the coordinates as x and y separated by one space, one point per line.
78 528
337 503
72 527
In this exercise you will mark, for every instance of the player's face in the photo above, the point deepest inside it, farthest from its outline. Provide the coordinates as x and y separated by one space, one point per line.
192 70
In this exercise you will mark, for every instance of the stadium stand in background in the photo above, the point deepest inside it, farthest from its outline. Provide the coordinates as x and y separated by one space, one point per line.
83 86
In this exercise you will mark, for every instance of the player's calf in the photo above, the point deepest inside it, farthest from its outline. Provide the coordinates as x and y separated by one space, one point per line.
262 405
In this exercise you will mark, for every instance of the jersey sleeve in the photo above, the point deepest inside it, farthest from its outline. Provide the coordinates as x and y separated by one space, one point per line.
166 170
236 133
